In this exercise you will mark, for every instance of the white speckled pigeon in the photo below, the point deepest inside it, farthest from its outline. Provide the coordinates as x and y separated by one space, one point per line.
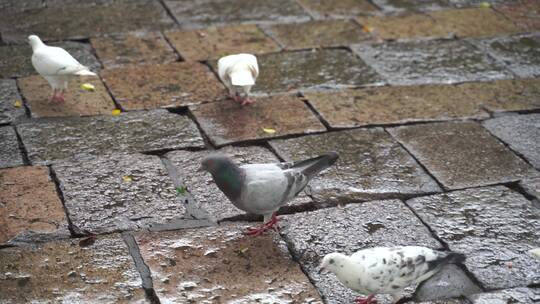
56 65
387 270
535 253
239 72
263 188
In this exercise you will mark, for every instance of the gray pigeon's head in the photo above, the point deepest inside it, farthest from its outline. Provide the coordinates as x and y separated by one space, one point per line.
214 163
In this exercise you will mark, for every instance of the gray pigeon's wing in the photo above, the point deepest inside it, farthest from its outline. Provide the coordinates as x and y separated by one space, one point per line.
312 166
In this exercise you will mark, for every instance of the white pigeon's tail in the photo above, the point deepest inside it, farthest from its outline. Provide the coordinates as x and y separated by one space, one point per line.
85 72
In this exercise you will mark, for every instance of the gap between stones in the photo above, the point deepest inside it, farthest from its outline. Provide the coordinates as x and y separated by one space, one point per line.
22 148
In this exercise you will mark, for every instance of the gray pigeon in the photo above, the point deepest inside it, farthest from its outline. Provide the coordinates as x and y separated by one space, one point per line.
387 270
263 188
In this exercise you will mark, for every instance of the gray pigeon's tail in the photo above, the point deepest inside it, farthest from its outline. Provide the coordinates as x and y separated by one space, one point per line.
311 167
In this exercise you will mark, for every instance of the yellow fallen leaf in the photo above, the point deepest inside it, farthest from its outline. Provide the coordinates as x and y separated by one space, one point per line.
17 104
127 178
88 87
485 5
244 250
116 112
367 29
269 130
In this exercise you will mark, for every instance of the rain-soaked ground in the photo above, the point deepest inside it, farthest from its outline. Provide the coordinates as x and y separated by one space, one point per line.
432 105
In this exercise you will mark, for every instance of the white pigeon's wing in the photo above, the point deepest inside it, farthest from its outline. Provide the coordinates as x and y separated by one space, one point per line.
51 61
252 64
224 65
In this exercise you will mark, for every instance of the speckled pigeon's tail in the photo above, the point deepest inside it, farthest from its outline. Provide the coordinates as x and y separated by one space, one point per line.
456 258
311 167
446 258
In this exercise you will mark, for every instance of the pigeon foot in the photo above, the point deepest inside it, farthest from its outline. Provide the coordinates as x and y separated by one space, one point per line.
256 231
58 97
368 300
247 101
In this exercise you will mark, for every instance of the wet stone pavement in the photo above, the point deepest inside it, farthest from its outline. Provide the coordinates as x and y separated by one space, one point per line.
432 105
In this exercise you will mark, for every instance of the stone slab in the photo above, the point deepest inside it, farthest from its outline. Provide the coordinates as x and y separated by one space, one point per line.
312 235
393 105
15 60
400 6
78 102
133 48
117 193
371 165
9 95
474 22
524 13
227 122
201 186
516 295
200 14
10 154
462 154
520 54
79 20
221 265
53 140
337 9
403 27
494 227
312 70
532 187
65 272
31 209
429 61
161 86
520 132
317 34
215 42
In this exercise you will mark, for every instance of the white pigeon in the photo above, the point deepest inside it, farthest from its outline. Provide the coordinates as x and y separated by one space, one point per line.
263 188
238 73
387 270
56 65
535 253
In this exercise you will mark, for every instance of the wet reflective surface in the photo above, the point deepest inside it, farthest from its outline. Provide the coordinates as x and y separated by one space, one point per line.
10 155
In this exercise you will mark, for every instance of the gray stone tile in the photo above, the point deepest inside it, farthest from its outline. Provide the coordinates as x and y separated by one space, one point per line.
494 227
9 95
477 3
520 54
10 155
371 165
197 14
411 5
431 61
532 187
461 155
305 70
312 235
200 185
515 296
49 140
117 192
520 132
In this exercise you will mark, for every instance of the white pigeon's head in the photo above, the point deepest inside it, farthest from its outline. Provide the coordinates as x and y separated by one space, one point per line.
34 41
332 262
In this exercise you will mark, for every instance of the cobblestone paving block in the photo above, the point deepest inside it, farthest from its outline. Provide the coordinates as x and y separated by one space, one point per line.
31 209
477 3
521 54
474 22
317 34
10 155
169 85
77 20
461 155
202 187
494 226
117 192
421 62
65 272
37 92
401 27
308 70
9 95
394 6
220 264
371 165
133 48
520 132
516 295
52 140
16 60
391 105
215 42
200 14
330 8
532 186
505 95
227 122
312 235
20 6
524 13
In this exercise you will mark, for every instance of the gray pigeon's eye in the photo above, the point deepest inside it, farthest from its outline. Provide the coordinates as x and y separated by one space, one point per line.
331 261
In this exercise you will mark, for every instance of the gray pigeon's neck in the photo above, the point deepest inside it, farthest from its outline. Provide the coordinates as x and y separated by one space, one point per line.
229 180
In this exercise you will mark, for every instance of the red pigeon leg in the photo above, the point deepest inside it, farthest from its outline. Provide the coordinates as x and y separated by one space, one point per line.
369 300
256 231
